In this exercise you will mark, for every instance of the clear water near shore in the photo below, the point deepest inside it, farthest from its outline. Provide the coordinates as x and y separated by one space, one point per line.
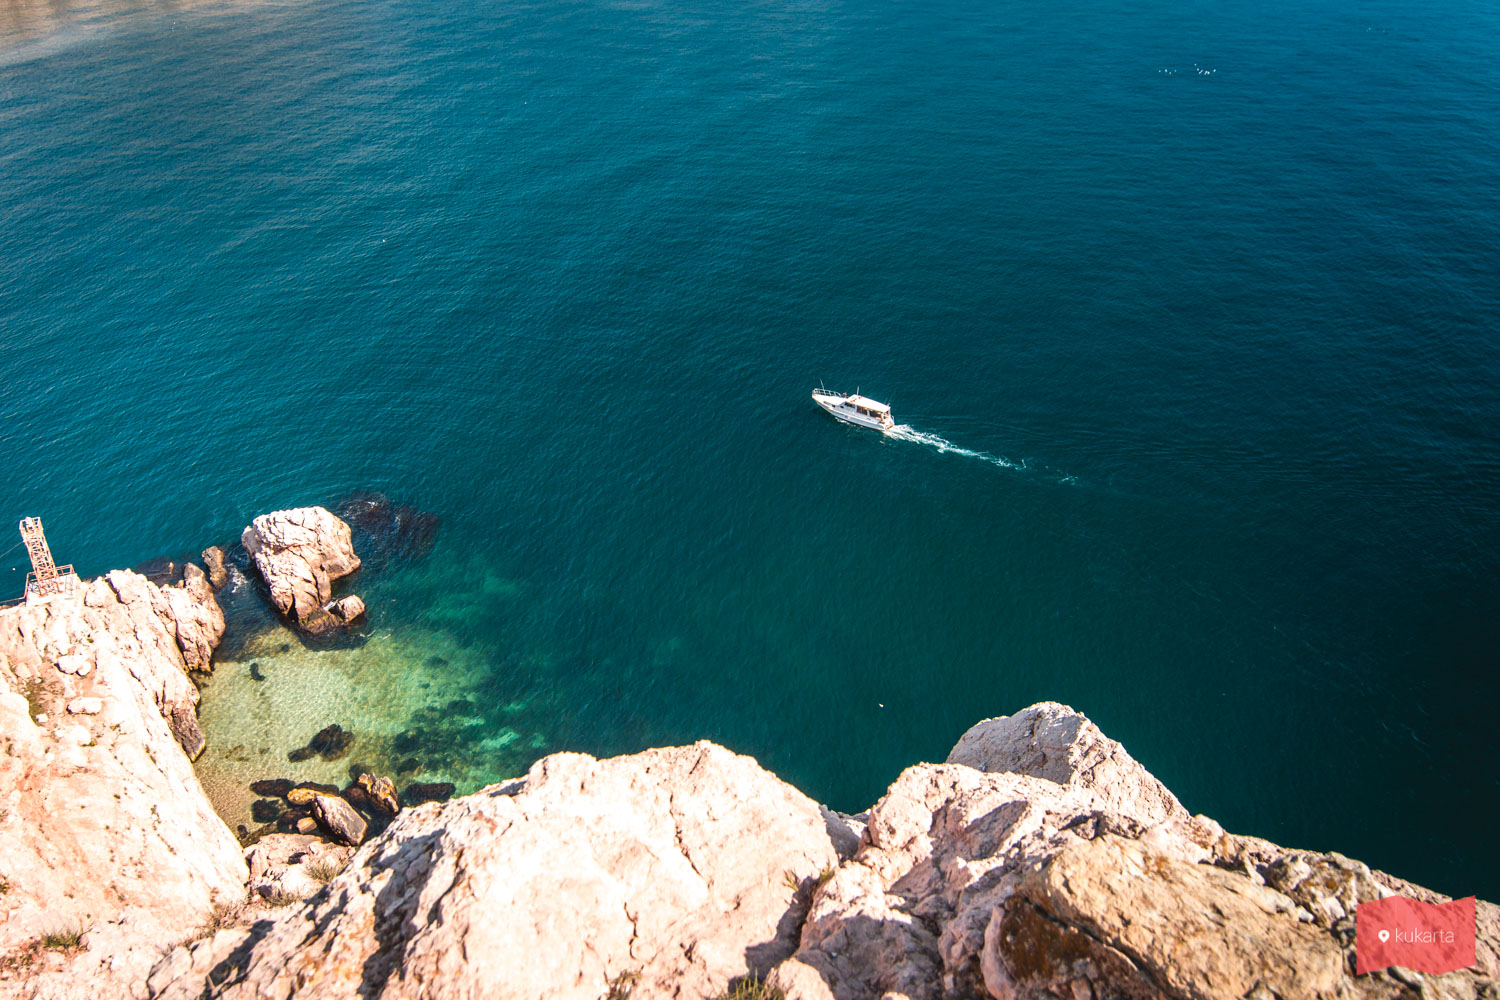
1205 364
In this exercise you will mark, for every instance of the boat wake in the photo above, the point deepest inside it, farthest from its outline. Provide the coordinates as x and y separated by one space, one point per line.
906 432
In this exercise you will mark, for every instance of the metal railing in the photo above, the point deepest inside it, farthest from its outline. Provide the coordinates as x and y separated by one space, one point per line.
64 582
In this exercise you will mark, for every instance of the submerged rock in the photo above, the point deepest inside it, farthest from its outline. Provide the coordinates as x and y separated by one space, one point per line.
331 742
265 810
274 787
389 532
300 553
339 818
431 791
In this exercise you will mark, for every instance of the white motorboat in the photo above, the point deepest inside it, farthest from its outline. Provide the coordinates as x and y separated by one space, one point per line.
858 410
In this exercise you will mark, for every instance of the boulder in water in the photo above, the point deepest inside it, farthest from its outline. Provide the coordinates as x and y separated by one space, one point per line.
265 810
339 818
300 553
213 561
382 793
331 742
347 609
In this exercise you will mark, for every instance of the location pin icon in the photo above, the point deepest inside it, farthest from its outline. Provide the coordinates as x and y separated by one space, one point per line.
1384 936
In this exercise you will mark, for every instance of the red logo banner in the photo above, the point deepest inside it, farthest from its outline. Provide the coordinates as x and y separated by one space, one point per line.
1422 937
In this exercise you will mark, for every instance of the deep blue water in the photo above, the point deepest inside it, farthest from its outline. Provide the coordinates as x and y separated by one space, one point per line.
1218 281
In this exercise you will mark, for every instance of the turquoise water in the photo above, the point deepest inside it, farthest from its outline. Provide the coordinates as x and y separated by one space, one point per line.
1209 288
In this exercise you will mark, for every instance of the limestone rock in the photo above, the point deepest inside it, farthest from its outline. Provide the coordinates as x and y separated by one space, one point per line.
382 792
1149 920
347 609
279 864
274 787
198 622
339 818
214 561
300 553
1052 741
1080 878
668 867
301 796
103 823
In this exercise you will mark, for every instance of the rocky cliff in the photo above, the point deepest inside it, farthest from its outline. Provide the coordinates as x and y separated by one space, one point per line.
108 847
1043 862
1039 861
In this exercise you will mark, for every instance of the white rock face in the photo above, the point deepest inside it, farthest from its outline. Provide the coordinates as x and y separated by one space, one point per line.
300 553
1065 870
1041 862
103 824
668 867
1052 741
661 870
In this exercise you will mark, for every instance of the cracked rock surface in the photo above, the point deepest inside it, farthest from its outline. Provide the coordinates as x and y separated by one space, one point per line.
300 553
667 869
103 825
1062 870
1043 862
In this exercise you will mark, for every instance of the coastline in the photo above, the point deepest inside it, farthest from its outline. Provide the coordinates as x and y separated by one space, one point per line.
1040 856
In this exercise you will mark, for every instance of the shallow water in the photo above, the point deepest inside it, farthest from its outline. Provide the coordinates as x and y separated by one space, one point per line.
1190 310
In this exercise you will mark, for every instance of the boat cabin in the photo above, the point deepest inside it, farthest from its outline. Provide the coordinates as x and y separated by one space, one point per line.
870 408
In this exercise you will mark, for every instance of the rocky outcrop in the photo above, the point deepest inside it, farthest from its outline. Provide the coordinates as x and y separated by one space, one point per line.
1063 870
104 828
1067 870
673 871
1052 741
286 866
300 554
197 620
214 561
1041 862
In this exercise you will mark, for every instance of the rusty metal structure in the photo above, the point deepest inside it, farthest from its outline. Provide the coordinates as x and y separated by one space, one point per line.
46 577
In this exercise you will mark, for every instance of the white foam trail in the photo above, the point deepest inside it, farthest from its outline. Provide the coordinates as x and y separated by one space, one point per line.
905 432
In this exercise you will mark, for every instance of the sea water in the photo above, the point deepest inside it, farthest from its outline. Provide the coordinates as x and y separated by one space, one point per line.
1188 312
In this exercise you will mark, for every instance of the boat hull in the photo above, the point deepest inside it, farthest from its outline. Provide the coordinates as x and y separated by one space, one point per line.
832 403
